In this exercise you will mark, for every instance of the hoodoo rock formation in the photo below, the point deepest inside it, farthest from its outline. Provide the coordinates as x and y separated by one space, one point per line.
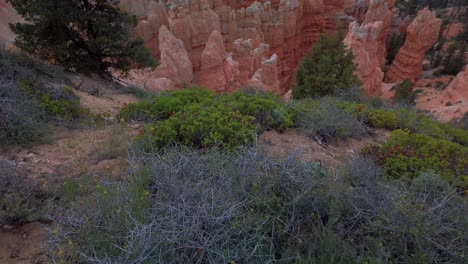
381 10
252 31
175 67
421 34
457 91
219 72
266 77
7 15
362 40
367 41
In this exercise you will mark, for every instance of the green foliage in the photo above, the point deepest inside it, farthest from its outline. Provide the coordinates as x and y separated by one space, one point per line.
89 36
21 201
408 154
328 68
199 118
454 60
404 93
56 101
268 109
28 99
411 7
366 114
330 120
396 42
417 123
166 104
22 120
202 126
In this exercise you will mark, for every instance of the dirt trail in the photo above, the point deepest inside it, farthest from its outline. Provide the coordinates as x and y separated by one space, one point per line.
72 153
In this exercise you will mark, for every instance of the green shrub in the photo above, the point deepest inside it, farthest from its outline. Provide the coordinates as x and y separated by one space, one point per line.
21 200
404 93
30 97
382 118
329 120
408 154
22 120
268 109
57 101
166 104
396 42
201 126
199 118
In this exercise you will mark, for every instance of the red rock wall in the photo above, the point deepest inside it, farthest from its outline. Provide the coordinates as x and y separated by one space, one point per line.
289 27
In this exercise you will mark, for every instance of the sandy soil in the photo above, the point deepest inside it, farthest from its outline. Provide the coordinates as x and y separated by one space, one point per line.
330 154
72 153
23 245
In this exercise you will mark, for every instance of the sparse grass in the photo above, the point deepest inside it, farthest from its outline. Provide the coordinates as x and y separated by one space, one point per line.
116 144
34 95
21 200
139 93
330 121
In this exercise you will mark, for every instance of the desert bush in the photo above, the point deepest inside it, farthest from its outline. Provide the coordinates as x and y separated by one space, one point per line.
32 95
19 66
396 42
268 109
139 92
116 144
404 93
199 118
200 126
22 120
412 219
408 154
166 104
328 120
190 206
58 101
21 200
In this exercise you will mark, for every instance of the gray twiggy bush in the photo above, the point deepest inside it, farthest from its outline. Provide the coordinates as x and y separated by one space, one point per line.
209 206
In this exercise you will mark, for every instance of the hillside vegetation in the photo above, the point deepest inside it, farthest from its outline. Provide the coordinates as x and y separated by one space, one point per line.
183 176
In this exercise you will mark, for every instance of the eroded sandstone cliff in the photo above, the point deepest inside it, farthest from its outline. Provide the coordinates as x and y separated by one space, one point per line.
421 34
259 36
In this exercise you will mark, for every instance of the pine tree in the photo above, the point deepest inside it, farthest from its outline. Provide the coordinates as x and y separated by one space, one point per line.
89 36
328 68
404 93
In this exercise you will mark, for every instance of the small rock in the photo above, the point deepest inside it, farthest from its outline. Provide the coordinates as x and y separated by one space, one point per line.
8 227
136 126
